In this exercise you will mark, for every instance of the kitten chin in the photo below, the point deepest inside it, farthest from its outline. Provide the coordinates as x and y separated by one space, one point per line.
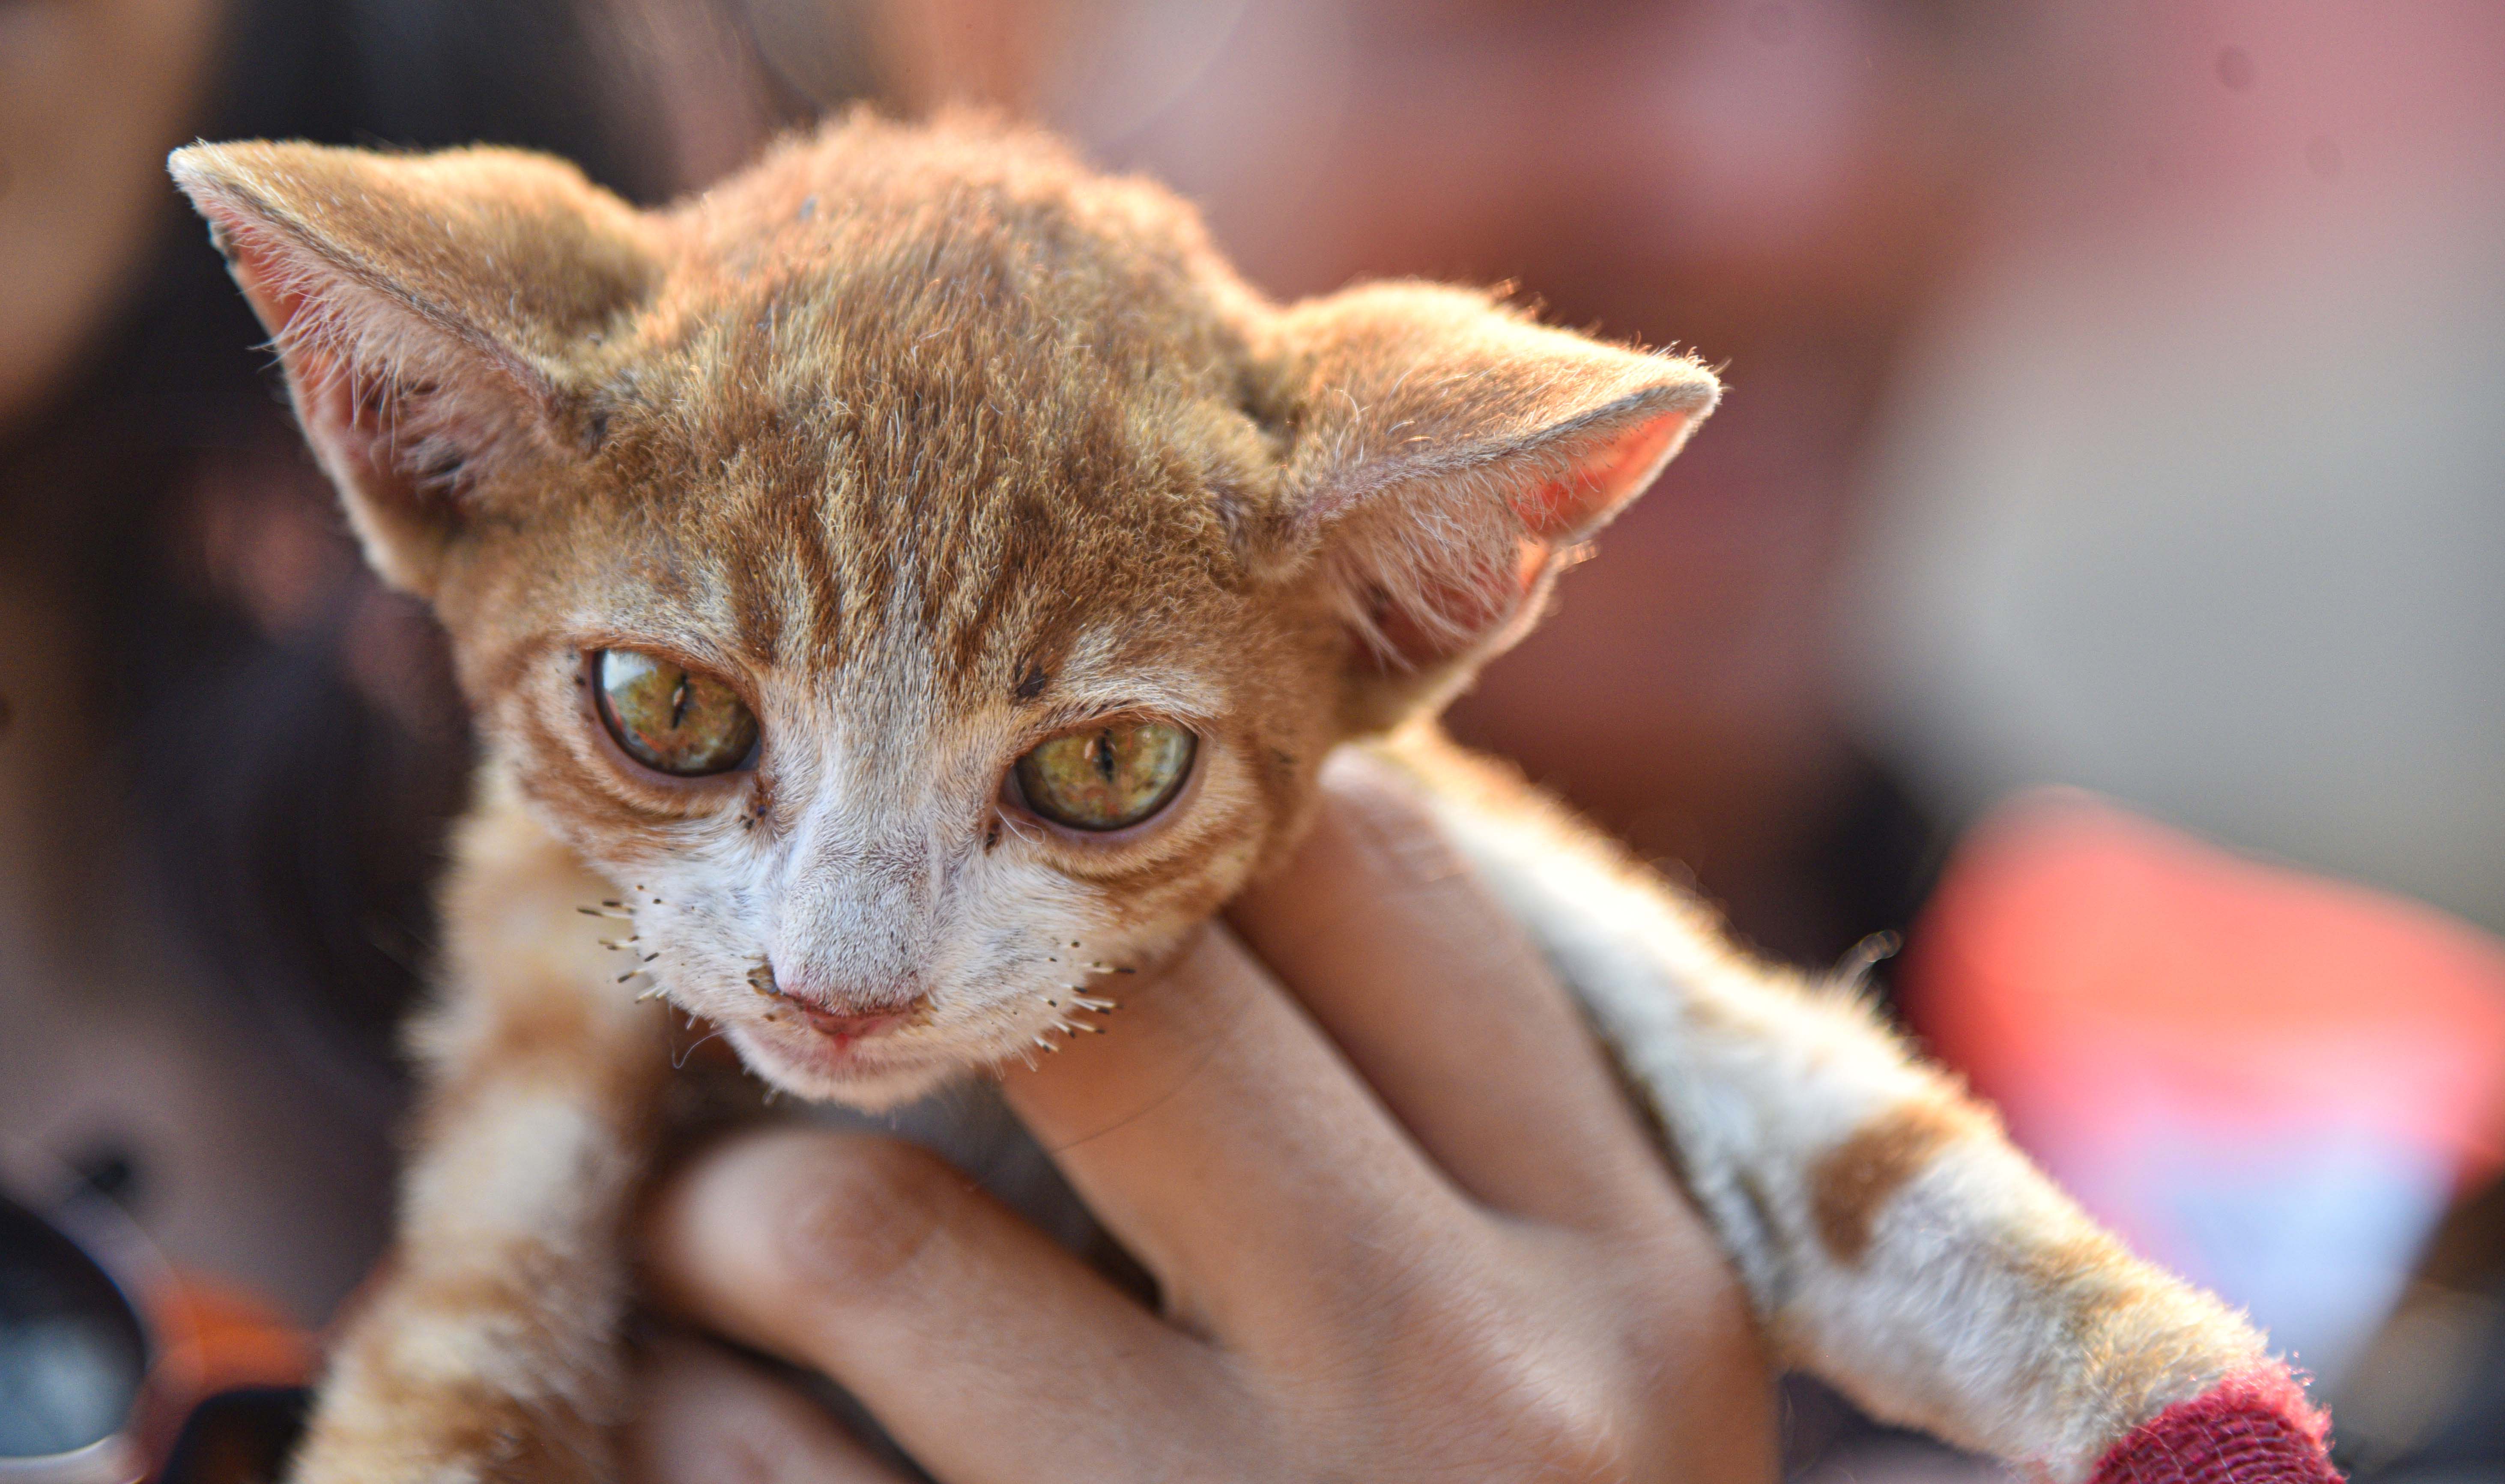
807 1065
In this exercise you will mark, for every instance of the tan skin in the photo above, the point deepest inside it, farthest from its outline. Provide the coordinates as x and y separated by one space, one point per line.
1405 1225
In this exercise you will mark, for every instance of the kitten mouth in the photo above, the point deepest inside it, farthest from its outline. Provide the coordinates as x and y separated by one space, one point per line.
873 1071
833 1043
845 1028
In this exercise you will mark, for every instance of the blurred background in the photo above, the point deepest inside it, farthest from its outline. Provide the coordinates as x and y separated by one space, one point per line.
2117 406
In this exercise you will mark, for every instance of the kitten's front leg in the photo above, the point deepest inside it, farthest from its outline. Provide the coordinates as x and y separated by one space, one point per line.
491 1350
1894 1242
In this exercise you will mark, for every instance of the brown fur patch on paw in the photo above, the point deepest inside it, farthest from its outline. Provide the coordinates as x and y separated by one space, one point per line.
1851 1183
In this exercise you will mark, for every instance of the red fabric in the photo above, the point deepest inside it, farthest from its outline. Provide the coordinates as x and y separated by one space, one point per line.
2253 1428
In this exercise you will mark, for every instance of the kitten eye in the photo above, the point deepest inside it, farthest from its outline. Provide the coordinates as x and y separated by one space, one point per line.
1107 777
670 719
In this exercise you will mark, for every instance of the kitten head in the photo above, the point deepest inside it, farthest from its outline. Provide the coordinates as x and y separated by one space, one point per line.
917 571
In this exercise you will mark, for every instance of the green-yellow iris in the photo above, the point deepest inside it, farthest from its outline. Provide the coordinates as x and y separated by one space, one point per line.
672 719
1105 777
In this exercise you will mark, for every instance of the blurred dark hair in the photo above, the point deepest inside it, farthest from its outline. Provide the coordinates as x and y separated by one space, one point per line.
285 733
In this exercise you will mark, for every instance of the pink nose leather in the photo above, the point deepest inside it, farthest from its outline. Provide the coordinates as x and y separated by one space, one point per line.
829 1013
854 1025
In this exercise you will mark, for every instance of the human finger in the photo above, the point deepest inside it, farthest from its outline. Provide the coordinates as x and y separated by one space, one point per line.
1436 995
702 1416
989 1354
1217 1133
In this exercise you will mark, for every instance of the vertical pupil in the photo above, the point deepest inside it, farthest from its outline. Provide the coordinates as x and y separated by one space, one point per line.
1105 779
671 717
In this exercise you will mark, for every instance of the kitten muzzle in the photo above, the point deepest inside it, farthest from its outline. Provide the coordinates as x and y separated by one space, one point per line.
840 1016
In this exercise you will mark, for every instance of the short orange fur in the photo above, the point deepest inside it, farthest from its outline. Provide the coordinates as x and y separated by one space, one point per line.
931 442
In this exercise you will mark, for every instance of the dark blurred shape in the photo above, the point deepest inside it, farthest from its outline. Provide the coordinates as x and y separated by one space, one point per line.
290 734
108 1169
241 1436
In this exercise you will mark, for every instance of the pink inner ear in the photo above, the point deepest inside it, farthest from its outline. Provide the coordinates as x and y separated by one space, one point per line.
1555 512
326 395
1561 508
1454 610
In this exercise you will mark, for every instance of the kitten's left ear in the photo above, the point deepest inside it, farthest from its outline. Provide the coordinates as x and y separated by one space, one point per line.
435 314
1444 454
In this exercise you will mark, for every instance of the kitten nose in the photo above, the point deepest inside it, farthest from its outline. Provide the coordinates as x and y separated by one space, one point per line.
845 1015
845 1025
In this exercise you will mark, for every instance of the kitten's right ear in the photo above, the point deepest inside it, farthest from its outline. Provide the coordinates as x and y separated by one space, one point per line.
432 312
1444 457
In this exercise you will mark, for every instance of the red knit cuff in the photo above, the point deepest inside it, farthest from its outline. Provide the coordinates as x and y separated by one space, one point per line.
2253 1428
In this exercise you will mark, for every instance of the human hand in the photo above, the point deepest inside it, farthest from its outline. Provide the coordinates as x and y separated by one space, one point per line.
1403 1223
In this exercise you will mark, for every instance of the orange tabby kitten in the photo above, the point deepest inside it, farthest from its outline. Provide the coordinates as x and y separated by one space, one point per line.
919 562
